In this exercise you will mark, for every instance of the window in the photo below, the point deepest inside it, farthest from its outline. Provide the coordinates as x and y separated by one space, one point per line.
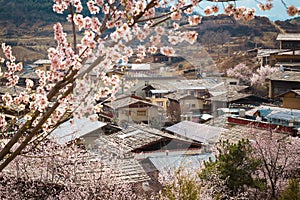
160 103
141 113
126 112
193 105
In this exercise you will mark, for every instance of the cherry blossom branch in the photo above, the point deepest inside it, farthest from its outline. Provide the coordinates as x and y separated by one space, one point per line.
284 4
73 28
33 132
164 15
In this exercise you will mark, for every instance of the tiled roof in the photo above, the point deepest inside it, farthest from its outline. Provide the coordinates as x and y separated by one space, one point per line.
116 171
126 101
135 137
177 96
14 91
297 92
230 96
223 87
237 132
126 170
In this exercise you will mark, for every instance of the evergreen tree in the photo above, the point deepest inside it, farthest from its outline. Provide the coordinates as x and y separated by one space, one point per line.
234 166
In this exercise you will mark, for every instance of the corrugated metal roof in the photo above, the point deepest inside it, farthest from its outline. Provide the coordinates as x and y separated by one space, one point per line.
67 132
264 112
169 163
160 91
288 37
271 112
285 115
198 132
268 52
138 67
42 61
285 76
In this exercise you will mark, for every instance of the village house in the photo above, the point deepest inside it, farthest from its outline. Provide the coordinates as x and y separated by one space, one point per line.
42 64
186 107
158 58
221 95
278 119
291 99
136 69
28 75
289 40
130 108
13 109
282 81
234 99
154 92
287 56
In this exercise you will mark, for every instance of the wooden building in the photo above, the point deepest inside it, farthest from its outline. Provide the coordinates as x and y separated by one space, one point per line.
186 107
288 54
291 99
130 108
42 64
282 82
289 40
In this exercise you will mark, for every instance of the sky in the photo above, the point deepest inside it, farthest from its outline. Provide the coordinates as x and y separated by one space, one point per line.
278 11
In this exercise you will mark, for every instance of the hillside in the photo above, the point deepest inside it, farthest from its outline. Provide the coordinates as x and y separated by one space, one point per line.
28 26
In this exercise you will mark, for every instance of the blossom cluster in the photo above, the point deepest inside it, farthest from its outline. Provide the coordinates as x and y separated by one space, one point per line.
210 10
261 74
240 12
240 71
292 10
266 6
243 72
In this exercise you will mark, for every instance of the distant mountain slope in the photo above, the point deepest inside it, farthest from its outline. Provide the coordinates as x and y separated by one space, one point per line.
28 24
291 25
237 28
27 11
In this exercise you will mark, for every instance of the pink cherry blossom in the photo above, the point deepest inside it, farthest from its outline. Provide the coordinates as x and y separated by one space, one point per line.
292 10
208 10
194 20
168 51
